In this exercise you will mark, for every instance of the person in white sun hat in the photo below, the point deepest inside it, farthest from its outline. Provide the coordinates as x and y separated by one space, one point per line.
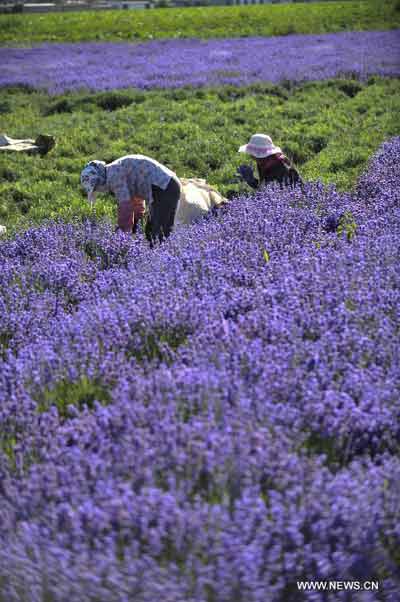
272 164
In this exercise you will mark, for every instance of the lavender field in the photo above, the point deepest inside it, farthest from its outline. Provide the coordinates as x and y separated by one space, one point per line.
216 418
211 420
175 63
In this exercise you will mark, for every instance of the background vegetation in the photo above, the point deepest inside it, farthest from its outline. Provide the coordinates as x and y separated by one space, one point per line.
329 129
202 22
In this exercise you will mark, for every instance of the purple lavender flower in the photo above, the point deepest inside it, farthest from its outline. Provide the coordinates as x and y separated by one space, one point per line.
196 422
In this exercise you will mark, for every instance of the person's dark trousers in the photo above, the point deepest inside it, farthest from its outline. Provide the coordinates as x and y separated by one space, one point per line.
162 211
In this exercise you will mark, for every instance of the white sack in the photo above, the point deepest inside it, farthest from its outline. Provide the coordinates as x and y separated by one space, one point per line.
197 199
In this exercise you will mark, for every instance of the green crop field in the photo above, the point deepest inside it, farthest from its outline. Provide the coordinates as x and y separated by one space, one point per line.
330 129
204 22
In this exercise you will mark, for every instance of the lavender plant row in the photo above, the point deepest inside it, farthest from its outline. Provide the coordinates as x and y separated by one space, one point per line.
176 63
210 420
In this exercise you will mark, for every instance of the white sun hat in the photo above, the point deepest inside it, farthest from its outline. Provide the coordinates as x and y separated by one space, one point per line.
260 146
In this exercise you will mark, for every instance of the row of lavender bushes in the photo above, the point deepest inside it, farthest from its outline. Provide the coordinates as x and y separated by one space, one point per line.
210 420
175 63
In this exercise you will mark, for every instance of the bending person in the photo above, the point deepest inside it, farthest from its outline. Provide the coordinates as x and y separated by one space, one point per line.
272 164
133 179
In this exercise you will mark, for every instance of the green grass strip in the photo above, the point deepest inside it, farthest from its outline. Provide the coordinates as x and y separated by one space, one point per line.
329 129
201 22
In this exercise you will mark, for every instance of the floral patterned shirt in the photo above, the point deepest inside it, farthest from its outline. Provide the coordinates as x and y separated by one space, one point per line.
134 175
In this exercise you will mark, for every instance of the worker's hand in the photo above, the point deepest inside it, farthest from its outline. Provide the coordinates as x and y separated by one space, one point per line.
245 172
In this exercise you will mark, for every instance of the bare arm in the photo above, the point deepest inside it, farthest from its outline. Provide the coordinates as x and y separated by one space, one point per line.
125 216
125 207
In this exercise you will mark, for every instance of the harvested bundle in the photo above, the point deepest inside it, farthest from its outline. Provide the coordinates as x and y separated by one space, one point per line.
196 200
